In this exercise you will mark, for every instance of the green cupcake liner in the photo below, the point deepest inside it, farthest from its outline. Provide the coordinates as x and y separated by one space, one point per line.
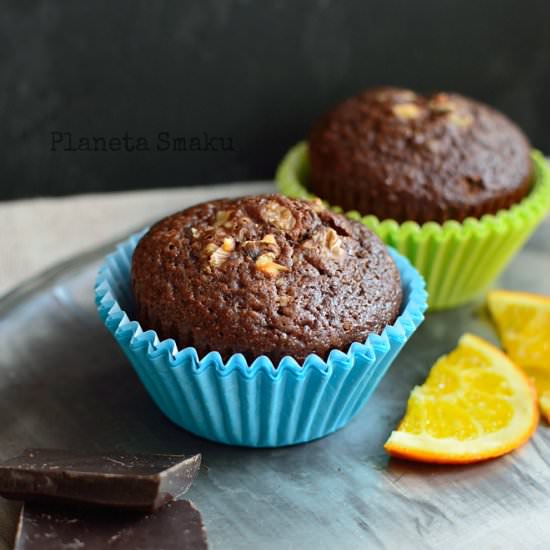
457 260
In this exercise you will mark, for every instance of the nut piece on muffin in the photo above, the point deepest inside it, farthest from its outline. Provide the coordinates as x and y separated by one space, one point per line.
397 154
263 275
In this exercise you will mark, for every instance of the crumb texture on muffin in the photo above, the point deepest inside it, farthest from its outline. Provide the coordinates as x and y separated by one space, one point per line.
397 154
263 275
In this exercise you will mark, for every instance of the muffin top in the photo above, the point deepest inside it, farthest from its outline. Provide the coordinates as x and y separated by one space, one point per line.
397 154
263 275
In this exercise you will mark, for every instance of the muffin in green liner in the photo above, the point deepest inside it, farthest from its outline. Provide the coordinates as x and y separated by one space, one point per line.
457 260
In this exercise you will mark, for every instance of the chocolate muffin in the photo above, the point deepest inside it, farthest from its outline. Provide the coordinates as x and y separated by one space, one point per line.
263 275
397 154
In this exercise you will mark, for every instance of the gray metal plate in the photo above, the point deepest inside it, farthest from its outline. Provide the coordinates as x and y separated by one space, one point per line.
64 383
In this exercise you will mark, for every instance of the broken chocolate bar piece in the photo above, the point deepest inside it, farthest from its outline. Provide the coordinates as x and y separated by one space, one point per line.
176 526
133 482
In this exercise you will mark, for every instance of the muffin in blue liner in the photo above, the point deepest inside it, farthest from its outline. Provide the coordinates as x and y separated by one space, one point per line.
257 404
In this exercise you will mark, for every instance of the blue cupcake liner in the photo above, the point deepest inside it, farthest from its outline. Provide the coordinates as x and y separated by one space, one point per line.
254 405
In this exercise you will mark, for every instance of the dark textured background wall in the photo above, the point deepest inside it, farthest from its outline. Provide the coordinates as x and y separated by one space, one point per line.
255 72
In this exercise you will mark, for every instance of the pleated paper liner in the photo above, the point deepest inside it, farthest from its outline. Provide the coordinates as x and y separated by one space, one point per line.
255 405
457 260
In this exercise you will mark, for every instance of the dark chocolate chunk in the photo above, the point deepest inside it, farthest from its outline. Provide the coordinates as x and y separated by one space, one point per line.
176 526
134 482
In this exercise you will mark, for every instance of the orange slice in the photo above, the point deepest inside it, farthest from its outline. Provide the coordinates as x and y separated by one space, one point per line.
475 405
523 324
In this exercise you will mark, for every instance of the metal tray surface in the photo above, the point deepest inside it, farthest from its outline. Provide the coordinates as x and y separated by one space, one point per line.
64 383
